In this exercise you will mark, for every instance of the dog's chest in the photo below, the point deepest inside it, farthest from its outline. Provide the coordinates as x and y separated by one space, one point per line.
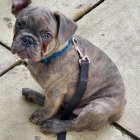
56 75
43 74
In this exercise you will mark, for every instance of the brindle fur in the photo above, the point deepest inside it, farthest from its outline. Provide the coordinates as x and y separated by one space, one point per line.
104 99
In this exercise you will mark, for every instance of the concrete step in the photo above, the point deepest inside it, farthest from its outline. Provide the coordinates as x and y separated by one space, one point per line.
114 28
15 112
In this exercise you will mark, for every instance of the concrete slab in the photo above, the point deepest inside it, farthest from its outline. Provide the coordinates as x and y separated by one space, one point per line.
7 60
114 27
68 7
15 112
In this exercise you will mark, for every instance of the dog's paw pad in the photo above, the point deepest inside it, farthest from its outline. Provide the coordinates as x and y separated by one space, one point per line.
26 92
38 117
52 126
47 127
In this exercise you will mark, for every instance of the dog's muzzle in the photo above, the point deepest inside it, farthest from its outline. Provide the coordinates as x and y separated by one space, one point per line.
27 41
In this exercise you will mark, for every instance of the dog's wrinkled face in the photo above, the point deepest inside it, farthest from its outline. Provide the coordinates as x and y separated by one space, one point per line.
39 32
34 30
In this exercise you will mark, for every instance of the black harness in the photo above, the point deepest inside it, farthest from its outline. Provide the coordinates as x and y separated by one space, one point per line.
83 79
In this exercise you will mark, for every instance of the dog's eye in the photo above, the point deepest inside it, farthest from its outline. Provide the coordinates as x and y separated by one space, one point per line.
47 36
18 25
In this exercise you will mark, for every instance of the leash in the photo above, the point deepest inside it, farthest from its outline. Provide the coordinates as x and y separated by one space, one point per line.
82 85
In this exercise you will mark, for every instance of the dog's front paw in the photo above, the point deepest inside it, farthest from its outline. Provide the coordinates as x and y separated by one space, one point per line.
33 96
53 126
39 116
27 93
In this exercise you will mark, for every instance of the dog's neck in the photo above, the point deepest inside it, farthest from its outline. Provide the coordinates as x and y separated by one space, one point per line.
59 52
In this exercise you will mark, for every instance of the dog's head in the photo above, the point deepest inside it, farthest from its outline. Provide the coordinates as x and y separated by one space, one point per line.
39 32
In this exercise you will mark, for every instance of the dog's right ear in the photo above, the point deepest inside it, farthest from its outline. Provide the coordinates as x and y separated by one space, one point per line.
66 27
18 5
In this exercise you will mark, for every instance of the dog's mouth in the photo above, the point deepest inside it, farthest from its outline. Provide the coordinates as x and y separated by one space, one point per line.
27 54
26 47
23 54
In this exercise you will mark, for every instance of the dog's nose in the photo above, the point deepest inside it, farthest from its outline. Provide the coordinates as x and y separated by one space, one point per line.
27 41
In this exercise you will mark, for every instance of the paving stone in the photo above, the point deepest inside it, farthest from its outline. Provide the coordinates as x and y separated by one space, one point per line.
6 59
15 112
114 27
68 7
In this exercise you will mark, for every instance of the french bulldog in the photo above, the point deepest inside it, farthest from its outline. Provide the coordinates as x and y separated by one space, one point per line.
38 34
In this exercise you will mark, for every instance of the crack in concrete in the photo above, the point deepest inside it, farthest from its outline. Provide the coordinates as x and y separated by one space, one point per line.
4 45
11 67
87 10
125 131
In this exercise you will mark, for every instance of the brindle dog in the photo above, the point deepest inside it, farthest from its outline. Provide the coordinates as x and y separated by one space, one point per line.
38 34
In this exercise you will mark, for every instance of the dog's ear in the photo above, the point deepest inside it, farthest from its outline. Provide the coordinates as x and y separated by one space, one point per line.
65 28
18 5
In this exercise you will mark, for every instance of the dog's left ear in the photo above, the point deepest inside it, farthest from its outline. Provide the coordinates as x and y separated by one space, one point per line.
65 27
18 5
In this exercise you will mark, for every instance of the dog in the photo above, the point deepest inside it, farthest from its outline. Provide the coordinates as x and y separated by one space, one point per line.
39 33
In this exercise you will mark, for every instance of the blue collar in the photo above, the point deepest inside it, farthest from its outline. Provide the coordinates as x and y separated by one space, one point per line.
58 54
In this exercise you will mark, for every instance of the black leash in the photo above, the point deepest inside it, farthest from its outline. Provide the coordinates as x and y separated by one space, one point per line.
74 102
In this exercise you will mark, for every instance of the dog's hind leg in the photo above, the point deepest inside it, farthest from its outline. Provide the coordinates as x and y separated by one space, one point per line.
99 113
96 115
33 96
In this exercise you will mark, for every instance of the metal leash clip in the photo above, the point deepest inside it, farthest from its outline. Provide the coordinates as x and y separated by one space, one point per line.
82 57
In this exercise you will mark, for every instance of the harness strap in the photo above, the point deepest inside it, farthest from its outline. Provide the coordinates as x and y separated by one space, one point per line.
73 103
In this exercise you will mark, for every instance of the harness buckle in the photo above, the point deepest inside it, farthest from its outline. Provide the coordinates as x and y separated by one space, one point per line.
85 58
82 57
